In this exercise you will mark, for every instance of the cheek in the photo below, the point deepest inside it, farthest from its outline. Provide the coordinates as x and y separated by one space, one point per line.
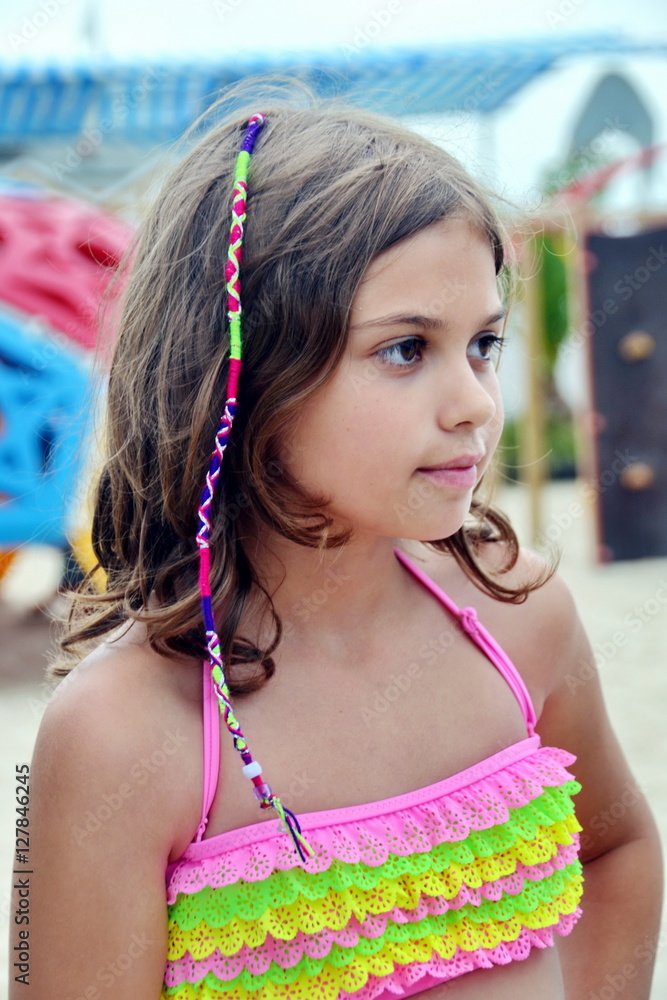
375 431
359 444
323 431
342 441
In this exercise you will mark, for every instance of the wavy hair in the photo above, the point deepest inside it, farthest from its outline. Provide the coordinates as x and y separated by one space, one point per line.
330 187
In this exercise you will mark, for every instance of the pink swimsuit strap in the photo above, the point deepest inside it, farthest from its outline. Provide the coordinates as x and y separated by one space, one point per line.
469 622
211 722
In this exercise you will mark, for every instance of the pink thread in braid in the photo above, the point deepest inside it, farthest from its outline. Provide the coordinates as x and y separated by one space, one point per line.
232 268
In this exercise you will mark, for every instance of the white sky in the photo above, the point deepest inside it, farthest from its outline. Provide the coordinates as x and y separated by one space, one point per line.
36 29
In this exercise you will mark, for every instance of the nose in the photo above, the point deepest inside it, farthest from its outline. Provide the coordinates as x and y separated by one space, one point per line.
467 396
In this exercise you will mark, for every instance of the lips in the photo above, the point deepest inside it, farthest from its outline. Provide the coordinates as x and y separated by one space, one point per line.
460 473
462 462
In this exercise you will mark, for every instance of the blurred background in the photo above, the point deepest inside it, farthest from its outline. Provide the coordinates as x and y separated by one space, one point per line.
558 105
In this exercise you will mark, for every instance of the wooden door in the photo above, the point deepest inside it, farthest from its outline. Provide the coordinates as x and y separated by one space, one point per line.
627 321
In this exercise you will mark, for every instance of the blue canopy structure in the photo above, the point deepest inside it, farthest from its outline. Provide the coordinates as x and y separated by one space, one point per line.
157 102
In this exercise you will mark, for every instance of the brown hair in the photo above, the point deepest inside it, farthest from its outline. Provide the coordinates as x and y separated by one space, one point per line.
330 187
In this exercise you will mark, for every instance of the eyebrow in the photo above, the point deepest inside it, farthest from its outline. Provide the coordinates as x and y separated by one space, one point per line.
424 322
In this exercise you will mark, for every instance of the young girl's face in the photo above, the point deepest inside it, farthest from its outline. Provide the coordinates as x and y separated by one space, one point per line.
416 389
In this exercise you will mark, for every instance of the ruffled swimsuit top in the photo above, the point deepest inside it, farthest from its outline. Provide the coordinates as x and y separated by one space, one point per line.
400 895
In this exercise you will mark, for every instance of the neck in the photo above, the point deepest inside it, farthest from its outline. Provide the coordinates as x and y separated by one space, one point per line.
331 600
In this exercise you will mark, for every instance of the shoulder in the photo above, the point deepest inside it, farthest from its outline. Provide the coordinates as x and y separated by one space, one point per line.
551 603
538 633
121 728
107 782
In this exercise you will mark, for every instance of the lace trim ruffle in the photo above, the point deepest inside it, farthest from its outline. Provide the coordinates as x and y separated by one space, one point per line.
395 967
405 977
540 779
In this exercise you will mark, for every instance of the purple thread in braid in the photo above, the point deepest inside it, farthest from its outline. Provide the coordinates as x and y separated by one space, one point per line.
254 126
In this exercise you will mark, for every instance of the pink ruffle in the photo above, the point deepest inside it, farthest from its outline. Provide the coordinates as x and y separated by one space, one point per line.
287 953
478 805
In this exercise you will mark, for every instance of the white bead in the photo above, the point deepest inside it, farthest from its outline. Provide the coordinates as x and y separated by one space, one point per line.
252 770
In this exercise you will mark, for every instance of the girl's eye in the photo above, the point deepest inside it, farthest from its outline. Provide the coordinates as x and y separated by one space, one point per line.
404 354
489 346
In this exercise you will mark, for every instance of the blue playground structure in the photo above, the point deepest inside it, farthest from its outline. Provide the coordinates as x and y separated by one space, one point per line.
44 392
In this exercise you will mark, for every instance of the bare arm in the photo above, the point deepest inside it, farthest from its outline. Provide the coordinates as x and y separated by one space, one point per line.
614 943
98 919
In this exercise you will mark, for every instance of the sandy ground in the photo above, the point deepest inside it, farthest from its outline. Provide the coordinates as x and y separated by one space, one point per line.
633 661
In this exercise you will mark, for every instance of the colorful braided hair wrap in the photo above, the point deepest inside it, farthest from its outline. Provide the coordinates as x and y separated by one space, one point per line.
251 768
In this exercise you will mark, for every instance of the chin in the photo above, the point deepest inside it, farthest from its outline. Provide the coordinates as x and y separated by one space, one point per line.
437 537
429 532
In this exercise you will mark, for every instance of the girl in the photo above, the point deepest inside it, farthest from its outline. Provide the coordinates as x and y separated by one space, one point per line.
299 561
